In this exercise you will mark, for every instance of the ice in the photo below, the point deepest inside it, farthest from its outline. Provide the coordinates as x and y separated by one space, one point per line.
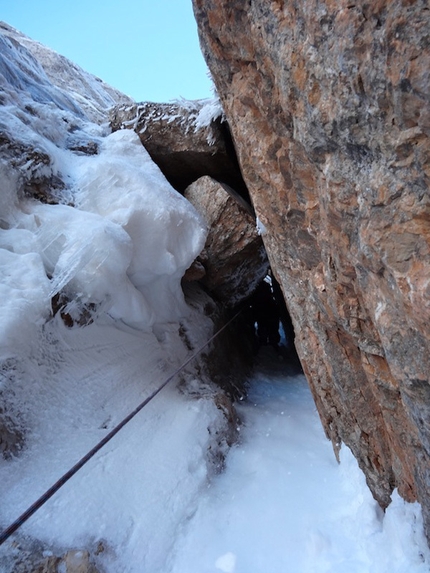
261 229
52 78
127 241
210 111
136 492
120 241
23 290
125 187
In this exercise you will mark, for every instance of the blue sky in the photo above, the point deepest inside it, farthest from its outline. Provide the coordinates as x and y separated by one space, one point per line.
148 49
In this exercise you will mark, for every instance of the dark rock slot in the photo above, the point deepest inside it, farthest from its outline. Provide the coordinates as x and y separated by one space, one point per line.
201 163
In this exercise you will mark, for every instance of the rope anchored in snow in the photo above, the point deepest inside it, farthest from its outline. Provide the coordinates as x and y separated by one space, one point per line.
4 535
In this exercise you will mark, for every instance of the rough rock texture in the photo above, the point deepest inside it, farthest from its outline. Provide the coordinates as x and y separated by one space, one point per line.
328 105
34 166
184 141
11 437
234 256
30 556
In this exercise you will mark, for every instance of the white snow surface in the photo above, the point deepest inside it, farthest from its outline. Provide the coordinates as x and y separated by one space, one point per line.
284 505
117 246
72 387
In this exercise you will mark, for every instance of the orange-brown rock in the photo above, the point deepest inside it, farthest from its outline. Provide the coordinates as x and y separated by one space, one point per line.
328 104
234 257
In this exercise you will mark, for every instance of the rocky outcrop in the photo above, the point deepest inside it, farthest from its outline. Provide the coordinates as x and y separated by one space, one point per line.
328 105
234 257
191 144
187 140
27 555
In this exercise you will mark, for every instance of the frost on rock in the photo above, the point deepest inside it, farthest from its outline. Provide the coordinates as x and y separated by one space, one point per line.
202 112
191 115
261 229
39 69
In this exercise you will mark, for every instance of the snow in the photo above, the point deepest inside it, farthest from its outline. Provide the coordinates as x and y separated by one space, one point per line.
210 111
128 238
117 247
198 113
285 505
134 494
121 241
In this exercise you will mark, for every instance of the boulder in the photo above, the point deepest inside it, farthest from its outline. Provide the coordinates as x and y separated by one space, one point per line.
29 555
79 562
328 105
234 256
186 140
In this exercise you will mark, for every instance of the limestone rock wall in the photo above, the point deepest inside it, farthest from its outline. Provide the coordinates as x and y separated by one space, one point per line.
328 104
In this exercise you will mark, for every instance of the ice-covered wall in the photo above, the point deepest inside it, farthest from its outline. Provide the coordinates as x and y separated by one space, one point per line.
111 234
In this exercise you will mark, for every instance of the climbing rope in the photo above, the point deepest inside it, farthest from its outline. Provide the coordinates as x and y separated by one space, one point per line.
4 535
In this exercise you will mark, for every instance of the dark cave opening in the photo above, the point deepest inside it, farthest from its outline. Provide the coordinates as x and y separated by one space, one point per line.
267 322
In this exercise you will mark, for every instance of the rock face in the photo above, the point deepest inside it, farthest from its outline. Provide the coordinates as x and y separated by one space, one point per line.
30 555
187 140
234 257
191 144
328 104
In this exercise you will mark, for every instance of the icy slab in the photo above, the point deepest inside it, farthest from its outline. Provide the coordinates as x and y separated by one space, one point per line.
50 77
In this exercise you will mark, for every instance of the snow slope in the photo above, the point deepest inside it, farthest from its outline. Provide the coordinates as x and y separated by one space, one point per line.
39 68
71 388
